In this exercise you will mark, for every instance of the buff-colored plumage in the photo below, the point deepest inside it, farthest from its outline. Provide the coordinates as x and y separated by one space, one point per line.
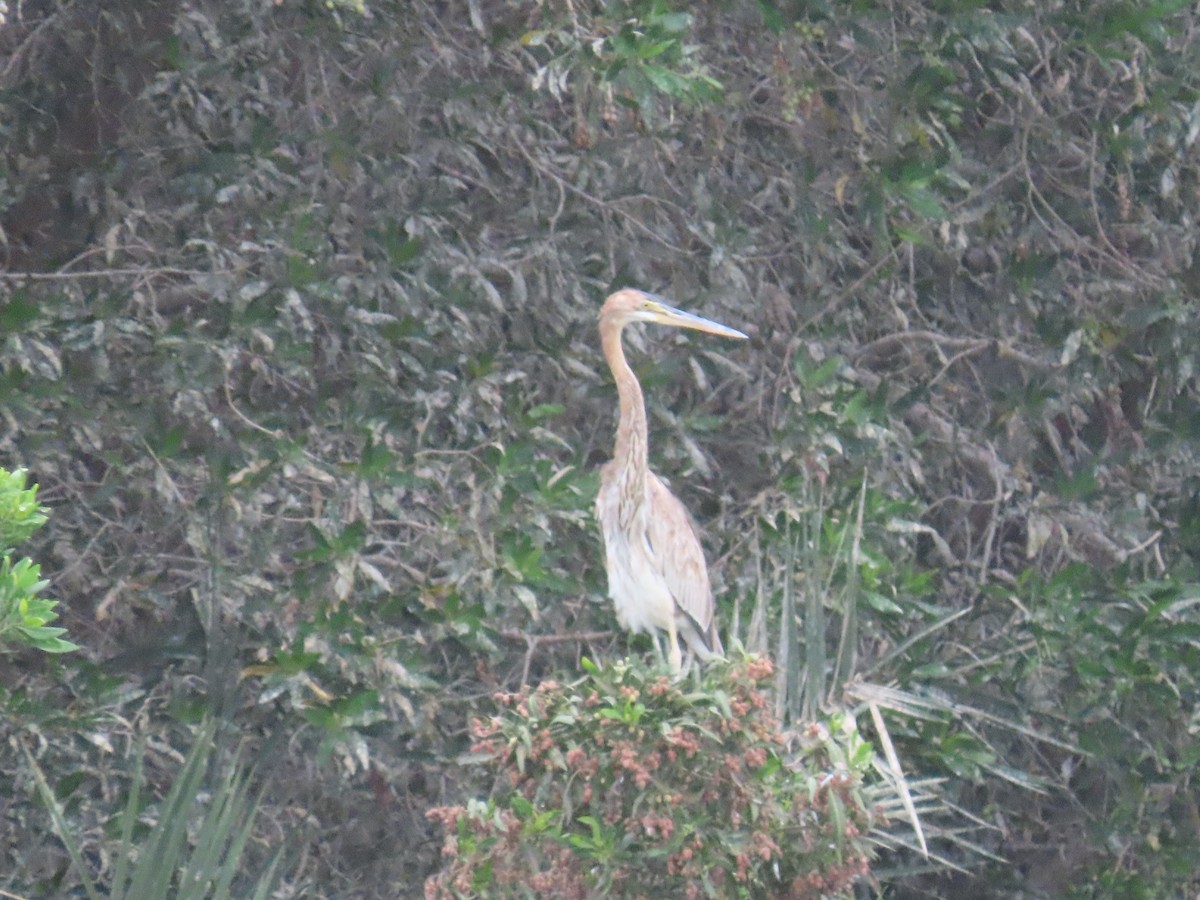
657 577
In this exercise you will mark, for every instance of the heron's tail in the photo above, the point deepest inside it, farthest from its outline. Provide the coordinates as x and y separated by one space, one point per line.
714 640
704 642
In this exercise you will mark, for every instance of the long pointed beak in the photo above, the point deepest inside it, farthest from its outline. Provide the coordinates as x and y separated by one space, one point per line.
669 315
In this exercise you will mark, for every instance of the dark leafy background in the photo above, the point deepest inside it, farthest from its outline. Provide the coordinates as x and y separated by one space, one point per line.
298 320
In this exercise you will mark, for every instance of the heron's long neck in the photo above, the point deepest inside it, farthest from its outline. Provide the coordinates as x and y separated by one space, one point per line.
630 450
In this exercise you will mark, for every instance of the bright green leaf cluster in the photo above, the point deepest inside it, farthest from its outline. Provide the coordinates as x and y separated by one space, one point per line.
24 616
20 515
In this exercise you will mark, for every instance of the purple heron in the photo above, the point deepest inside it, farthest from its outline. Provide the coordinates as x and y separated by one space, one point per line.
656 573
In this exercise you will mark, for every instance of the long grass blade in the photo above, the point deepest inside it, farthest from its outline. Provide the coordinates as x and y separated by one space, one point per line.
129 819
847 651
935 706
897 773
238 823
164 852
60 823
267 881
789 642
814 615
757 640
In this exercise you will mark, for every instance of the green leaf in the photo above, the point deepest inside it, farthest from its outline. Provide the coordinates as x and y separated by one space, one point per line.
911 236
670 83
522 807
673 21
880 603
649 49
482 876
772 17
544 411
17 313
923 201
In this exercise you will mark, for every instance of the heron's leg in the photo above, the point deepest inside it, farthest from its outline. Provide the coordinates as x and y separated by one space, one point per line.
675 658
689 657
658 650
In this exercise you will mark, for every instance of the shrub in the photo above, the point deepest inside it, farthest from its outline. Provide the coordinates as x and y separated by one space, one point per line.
625 783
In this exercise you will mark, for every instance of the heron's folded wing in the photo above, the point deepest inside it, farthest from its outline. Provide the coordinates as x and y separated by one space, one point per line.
679 557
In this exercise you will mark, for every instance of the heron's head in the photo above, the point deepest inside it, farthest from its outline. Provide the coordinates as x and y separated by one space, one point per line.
631 305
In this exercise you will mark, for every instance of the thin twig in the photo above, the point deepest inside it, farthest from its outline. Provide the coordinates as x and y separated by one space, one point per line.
533 641
838 300
110 273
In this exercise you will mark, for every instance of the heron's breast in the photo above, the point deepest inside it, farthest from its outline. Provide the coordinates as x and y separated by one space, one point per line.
638 590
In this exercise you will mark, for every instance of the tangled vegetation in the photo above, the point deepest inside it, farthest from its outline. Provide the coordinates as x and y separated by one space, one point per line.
297 314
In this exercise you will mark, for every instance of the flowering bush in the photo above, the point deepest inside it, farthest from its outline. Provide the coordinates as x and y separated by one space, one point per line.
625 783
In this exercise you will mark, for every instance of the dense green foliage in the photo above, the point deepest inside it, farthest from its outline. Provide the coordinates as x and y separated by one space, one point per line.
298 340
